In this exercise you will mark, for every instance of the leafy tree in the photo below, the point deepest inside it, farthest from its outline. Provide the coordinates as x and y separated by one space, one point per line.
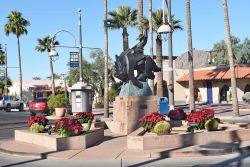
114 90
56 76
241 51
93 73
17 25
122 18
2 85
44 45
36 78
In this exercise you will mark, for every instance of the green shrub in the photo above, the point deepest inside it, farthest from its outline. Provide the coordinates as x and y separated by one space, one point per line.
211 124
114 91
162 127
57 101
99 105
37 128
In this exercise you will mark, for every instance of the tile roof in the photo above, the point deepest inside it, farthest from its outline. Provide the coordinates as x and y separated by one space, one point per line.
217 73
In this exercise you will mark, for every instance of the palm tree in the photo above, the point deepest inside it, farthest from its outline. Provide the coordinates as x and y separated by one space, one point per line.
106 80
151 82
2 55
231 61
44 45
123 17
190 58
156 23
139 15
17 25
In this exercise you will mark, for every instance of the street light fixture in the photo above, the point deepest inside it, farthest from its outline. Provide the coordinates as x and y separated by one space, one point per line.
166 29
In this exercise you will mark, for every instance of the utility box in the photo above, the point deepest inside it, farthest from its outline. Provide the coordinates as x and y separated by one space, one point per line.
163 102
81 97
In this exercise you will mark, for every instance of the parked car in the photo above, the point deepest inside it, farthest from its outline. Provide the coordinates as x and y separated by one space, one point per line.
38 106
10 102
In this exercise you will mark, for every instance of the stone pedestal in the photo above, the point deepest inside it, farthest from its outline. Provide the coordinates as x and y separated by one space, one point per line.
127 112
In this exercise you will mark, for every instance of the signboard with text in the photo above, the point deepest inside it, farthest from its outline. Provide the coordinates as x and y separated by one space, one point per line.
2 74
74 59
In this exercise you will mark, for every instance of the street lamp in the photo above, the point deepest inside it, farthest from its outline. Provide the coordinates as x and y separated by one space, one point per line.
164 30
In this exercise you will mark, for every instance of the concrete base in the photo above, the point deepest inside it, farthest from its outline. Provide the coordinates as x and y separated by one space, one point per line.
127 112
58 143
139 140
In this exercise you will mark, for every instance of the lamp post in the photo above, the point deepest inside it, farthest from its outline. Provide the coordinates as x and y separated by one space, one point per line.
6 75
166 29
54 53
81 97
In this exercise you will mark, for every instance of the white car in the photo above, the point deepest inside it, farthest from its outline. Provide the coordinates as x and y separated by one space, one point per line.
10 102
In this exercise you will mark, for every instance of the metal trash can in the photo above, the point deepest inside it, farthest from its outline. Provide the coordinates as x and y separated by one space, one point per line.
163 102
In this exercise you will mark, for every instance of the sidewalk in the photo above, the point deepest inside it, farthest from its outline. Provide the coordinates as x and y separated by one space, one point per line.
114 147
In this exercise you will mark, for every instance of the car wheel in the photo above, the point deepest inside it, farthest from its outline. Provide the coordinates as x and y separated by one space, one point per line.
8 108
21 108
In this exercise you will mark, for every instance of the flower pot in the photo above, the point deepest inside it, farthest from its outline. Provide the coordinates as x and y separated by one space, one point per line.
60 112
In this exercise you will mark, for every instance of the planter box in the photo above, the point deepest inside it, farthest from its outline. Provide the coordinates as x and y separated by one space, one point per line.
139 140
58 143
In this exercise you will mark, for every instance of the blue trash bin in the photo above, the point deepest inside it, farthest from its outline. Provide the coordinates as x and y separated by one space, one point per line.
163 102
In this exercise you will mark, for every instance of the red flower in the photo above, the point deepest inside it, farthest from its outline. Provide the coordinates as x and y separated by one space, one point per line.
200 116
40 119
84 117
148 121
70 125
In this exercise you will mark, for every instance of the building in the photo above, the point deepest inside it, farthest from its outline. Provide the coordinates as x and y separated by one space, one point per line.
35 88
212 84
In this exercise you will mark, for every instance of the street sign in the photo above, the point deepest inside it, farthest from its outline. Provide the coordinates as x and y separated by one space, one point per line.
2 74
74 59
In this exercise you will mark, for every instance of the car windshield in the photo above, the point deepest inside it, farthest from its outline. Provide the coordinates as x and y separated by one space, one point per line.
40 100
1 97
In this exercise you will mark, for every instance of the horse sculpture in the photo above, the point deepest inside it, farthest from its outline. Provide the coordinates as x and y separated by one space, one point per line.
133 59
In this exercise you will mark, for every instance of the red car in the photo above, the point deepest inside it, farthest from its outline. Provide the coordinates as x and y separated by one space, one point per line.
38 106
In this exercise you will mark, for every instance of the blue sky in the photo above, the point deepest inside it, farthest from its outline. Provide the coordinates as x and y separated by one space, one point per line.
49 16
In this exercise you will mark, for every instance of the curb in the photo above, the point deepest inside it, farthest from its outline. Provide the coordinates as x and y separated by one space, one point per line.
164 154
199 153
35 155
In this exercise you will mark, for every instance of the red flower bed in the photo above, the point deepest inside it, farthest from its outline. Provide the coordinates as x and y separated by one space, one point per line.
40 119
148 121
84 117
200 117
68 127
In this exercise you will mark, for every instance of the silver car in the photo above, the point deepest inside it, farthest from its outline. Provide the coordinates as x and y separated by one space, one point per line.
10 102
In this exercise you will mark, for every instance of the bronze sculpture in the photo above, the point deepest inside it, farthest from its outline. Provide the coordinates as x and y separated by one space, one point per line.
133 59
